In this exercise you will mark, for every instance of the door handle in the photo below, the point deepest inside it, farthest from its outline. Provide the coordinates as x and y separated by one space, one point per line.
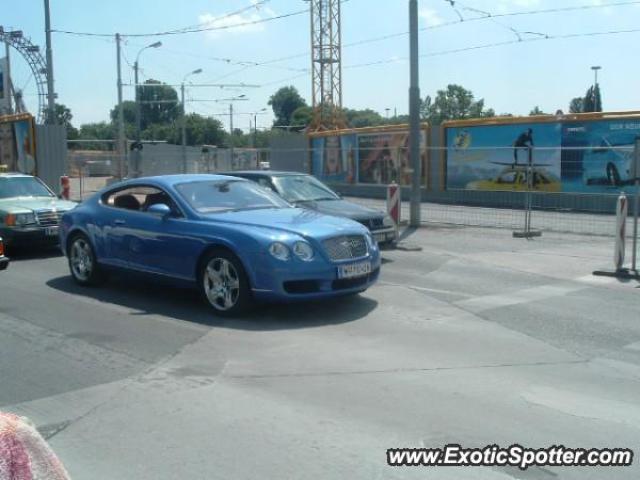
119 222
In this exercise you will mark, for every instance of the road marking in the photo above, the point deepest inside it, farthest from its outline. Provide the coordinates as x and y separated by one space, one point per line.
527 295
425 289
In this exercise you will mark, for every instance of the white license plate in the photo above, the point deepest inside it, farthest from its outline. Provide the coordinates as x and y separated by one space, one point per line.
354 270
379 237
51 231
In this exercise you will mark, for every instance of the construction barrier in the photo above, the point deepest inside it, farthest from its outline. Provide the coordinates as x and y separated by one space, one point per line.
393 202
65 187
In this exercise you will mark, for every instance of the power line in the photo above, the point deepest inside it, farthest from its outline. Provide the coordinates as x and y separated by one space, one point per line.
498 44
181 32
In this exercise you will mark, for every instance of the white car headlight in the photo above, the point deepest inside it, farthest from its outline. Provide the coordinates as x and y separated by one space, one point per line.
25 219
387 221
303 251
280 251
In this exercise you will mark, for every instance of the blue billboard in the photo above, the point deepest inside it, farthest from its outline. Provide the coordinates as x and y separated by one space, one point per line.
597 155
495 157
334 158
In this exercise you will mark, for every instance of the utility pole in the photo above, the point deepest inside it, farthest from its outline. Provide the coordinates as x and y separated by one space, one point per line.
231 132
51 97
184 120
122 145
414 116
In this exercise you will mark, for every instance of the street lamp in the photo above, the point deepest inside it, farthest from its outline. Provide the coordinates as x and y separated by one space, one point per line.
138 111
595 69
184 120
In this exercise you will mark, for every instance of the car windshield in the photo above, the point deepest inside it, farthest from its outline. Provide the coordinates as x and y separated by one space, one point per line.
22 187
215 196
303 188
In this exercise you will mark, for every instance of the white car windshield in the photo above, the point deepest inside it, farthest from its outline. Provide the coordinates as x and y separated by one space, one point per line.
228 195
303 188
23 187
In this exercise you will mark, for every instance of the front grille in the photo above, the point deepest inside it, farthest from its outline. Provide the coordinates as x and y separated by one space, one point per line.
48 218
345 247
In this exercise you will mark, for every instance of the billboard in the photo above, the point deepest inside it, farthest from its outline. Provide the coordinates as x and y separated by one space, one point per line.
588 155
334 158
384 157
17 144
597 155
495 157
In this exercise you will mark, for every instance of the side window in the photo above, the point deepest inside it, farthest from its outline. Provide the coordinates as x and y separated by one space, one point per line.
139 198
266 183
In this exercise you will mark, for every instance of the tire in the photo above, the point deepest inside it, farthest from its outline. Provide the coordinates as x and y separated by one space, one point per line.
223 283
83 265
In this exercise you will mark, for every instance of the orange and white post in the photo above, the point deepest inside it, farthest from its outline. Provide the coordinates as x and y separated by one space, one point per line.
393 203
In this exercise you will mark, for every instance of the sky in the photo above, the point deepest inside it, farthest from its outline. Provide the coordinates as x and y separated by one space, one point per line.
511 78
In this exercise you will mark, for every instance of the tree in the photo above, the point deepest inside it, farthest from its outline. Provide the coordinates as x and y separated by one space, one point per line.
363 118
454 103
592 100
284 102
158 104
96 131
128 110
536 111
63 116
576 105
301 117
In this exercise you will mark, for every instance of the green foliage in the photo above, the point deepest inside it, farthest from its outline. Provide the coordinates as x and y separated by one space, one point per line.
301 117
284 102
592 100
363 118
537 111
576 105
454 103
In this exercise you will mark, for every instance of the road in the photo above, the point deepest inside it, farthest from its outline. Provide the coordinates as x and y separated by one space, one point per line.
470 337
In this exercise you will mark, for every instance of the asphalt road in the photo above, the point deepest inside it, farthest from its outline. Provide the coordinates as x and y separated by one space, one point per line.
476 339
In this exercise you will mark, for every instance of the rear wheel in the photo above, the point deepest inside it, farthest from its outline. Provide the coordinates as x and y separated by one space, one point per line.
224 284
82 262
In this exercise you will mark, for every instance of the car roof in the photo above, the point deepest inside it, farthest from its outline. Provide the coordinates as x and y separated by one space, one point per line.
14 175
266 173
170 180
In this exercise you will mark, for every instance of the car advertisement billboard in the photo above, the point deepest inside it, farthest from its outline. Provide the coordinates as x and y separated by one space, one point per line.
384 157
334 158
495 157
17 144
597 155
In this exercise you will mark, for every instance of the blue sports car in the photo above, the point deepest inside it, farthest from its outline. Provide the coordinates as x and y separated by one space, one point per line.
234 240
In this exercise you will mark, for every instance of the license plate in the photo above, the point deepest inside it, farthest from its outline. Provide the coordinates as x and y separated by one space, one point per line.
354 270
51 231
380 237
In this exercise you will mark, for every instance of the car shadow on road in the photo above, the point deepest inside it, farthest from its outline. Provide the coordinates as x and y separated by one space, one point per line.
185 304
17 254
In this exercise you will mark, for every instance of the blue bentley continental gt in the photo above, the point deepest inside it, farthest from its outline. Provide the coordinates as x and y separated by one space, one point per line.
234 240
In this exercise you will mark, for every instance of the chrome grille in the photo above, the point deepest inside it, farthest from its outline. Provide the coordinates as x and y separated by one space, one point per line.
345 247
48 218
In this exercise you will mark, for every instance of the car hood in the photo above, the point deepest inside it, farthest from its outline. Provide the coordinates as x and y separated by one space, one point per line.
300 221
30 204
343 208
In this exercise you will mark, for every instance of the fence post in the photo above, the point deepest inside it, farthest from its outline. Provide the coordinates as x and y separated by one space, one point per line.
621 227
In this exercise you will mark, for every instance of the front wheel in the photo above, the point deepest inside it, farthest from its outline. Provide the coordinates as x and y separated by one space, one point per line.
224 284
82 262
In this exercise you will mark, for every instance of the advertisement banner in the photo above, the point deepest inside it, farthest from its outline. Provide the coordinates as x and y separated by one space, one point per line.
384 157
334 158
597 155
495 157
17 146
4 87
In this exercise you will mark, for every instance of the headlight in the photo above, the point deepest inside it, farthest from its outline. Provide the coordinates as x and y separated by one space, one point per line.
279 251
303 251
20 219
387 221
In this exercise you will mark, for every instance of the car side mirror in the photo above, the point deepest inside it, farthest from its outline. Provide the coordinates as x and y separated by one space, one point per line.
160 210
